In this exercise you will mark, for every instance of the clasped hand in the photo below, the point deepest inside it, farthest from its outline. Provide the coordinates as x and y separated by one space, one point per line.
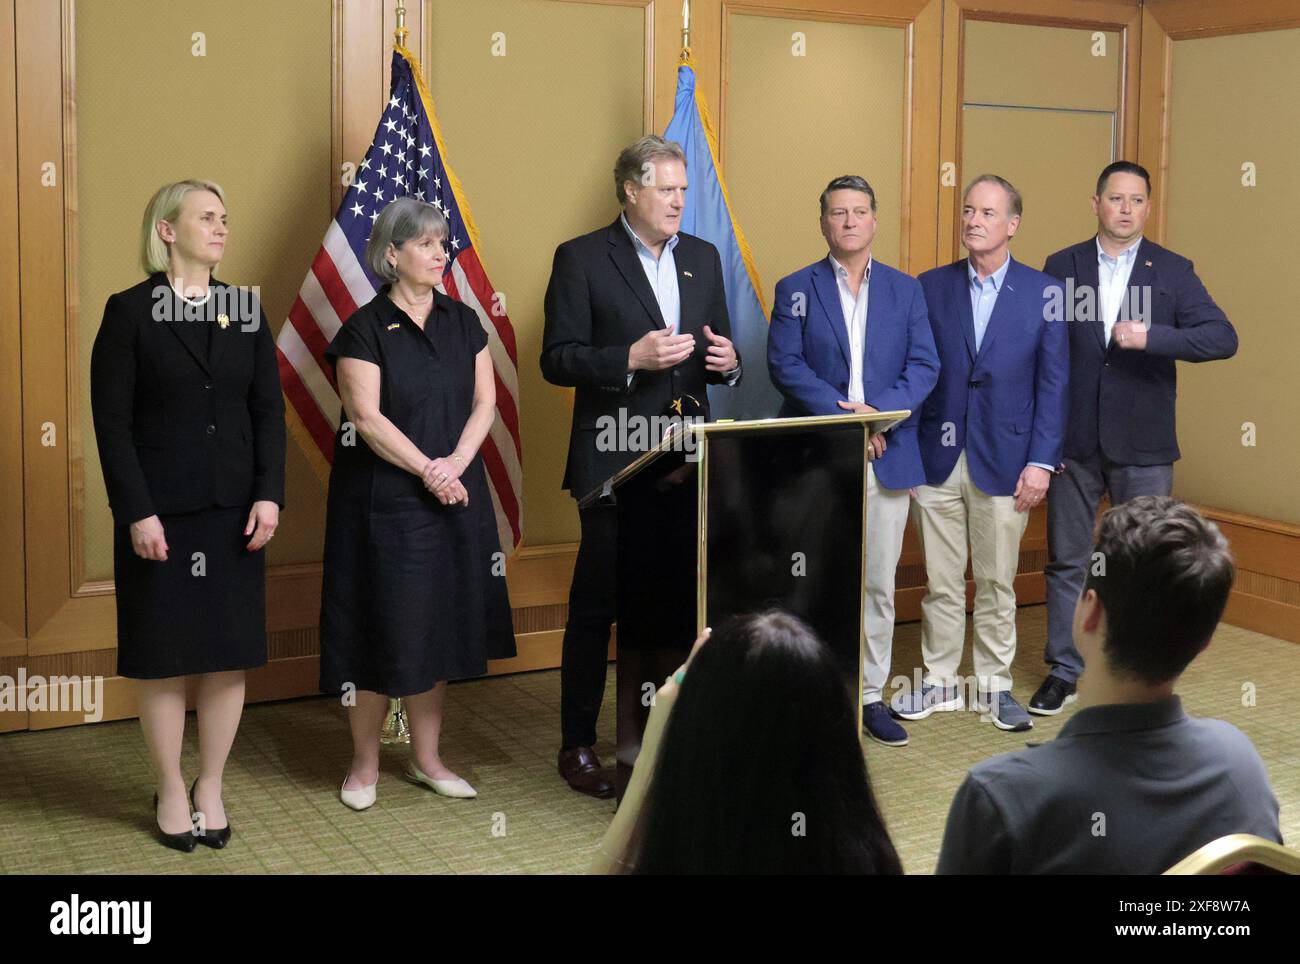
442 478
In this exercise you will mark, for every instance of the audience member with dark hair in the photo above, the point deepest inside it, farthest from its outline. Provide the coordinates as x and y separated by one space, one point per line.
1131 784
751 763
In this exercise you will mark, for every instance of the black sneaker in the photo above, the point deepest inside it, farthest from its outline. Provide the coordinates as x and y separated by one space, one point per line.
1052 696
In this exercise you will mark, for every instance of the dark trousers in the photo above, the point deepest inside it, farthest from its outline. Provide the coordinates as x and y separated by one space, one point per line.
592 608
1072 505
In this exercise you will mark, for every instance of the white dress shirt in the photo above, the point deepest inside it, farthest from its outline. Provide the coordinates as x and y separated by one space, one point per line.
854 308
1112 283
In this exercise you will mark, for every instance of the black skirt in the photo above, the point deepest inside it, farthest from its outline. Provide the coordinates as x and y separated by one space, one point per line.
191 614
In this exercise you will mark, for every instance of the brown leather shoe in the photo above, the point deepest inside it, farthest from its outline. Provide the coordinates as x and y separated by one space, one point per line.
581 769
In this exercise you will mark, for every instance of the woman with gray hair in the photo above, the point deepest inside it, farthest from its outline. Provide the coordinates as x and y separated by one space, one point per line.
414 587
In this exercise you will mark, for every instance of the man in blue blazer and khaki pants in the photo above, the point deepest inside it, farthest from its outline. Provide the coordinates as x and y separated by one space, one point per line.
1136 309
850 334
990 437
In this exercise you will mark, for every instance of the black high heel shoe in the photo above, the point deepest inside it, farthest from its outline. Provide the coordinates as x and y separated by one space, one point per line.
216 839
184 842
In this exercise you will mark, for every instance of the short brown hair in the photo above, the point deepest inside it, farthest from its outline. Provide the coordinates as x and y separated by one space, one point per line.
1163 573
848 182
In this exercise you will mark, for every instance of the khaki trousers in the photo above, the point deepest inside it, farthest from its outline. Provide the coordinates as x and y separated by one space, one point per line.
949 516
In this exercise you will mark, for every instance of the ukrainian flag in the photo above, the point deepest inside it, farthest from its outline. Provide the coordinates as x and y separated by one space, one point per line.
708 216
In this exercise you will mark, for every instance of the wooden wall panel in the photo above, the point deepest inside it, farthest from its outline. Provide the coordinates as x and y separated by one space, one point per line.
44 623
13 607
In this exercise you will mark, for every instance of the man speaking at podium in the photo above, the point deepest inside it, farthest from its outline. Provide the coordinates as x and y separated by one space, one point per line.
850 334
636 322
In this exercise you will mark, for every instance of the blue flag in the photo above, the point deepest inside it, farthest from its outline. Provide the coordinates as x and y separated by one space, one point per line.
708 216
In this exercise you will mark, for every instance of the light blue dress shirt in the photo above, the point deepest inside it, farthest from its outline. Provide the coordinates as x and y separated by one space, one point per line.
661 272
983 296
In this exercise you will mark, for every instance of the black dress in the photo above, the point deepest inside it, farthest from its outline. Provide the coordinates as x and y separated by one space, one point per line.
414 591
189 419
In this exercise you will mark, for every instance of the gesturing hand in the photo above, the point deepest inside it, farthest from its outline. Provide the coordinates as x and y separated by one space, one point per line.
659 349
722 353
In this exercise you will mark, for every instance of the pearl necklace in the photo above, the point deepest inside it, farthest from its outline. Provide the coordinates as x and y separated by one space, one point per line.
189 301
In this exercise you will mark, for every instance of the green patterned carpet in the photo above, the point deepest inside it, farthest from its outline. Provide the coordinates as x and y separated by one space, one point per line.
77 800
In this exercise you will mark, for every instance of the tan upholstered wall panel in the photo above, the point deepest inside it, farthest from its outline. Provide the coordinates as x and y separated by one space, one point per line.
1033 66
1052 157
794 122
533 136
252 114
1233 103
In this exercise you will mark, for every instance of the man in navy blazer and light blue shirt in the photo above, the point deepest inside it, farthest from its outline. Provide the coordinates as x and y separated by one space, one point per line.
990 438
1136 309
851 334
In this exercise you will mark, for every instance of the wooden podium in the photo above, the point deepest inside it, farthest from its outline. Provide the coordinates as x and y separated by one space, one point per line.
732 517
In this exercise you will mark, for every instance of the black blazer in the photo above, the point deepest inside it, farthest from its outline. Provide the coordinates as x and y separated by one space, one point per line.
177 432
597 304
1121 400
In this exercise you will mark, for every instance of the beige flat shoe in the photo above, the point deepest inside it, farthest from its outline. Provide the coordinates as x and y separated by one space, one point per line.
362 799
457 788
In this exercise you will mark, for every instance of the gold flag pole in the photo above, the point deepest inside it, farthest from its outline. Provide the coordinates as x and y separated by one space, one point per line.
401 30
686 28
395 729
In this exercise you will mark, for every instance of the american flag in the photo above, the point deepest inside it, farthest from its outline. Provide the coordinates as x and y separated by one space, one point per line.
407 157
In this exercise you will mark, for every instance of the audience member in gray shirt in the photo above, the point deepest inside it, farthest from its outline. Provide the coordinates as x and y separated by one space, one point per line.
1132 784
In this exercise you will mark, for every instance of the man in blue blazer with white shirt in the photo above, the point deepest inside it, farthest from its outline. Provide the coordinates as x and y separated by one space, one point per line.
850 334
990 436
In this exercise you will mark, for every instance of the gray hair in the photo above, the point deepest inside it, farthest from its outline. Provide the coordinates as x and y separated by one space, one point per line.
1017 207
849 182
403 220
634 160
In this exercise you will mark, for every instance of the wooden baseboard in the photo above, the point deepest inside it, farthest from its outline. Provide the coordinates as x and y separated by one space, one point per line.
280 679
1266 595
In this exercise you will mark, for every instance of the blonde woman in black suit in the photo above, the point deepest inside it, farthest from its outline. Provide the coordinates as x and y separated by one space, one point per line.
189 421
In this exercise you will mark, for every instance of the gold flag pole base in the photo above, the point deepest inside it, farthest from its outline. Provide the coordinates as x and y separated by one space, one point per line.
395 730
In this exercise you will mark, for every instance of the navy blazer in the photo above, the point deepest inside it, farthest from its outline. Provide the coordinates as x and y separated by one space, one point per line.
1122 401
179 430
598 302
1006 404
808 355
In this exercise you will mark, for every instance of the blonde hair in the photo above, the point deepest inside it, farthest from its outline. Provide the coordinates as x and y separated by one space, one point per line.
165 205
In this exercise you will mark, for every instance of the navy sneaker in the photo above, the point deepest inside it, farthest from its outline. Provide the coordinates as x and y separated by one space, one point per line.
880 726
1003 710
908 704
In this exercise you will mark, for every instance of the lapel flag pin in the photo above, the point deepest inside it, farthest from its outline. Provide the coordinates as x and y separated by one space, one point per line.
223 321
1148 264
688 274
396 324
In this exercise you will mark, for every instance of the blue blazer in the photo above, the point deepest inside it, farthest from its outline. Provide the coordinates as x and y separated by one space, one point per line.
1006 404
808 356
1123 401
